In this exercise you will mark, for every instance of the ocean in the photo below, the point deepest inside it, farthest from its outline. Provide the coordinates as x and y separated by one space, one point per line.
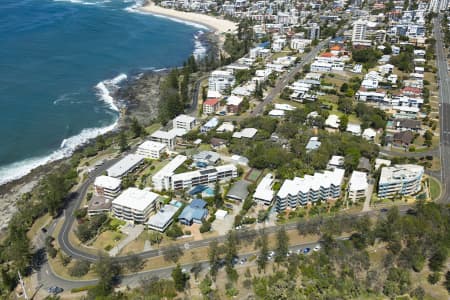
60 61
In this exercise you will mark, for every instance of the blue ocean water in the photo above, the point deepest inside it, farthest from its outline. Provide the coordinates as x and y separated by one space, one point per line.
59 61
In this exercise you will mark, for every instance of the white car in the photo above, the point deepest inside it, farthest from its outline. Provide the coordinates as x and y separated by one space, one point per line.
317 248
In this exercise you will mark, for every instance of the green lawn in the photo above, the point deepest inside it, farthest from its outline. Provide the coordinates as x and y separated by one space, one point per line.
254 175
435 188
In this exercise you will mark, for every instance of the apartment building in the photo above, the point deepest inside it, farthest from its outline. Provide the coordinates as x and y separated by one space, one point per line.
134 205
206 176
162 180
264 193
165 137
151 149
220 80
357 186
184 122
359 30
107 187
400 180
310 189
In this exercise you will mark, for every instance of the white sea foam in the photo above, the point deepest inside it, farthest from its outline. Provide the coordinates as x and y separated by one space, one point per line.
106 87
19 169
84 2
67 97
199 47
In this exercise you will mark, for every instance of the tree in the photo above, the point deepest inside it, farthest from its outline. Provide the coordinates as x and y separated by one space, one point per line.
447 281
214 257
282 245
263 252
123 144
173 253
345 105
136 128
196 269
428 136
134 263
179 278
343 123
108 271
80 268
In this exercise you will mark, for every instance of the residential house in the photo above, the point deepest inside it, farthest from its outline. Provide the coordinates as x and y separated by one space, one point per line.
195 212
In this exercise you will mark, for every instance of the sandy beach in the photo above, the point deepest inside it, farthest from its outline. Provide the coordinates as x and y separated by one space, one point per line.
216 24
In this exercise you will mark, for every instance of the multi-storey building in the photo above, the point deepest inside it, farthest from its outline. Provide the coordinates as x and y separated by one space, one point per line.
359 30
162 180
220 80
357 186
264 193
184 122
151 149
134 205
400 180
310 189
107 187
206 176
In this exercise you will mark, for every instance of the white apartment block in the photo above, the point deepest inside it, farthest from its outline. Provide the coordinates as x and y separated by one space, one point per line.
206 176
107 187
310 189
134 205
220 80
162 180
357 186
165 137
400 180
264 193
151 149
359 30
184 122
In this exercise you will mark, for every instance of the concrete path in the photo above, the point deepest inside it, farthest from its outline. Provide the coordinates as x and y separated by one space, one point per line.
369 191
132 232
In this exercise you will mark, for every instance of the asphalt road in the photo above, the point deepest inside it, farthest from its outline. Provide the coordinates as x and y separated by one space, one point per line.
283 81
444 108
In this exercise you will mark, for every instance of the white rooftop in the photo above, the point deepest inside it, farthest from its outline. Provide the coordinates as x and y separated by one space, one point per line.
168 169
124 165
163 216
276 113
358 181
152 146
234 100
159 134
246 133
264 189
379 162
225 126
354 128
336 160
107 182
184 119
284 106
135 198
311 182
398 173
332 121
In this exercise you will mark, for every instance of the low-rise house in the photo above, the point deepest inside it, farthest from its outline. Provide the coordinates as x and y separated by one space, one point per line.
238 191
357 186
234 104
332 121
354 129
381 162
400 180
134 205
151 149
195 212
247 133
225 127
163 218
386 69
125 166
107 187
406 125
369 134
336 161
403 139
206 158
210 125
264 193
210 106
278 113
217 143
313 144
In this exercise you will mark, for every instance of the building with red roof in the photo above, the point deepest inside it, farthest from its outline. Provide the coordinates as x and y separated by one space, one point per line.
210 106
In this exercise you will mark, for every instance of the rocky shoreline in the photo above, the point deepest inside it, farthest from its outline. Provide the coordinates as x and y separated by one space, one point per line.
139 98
